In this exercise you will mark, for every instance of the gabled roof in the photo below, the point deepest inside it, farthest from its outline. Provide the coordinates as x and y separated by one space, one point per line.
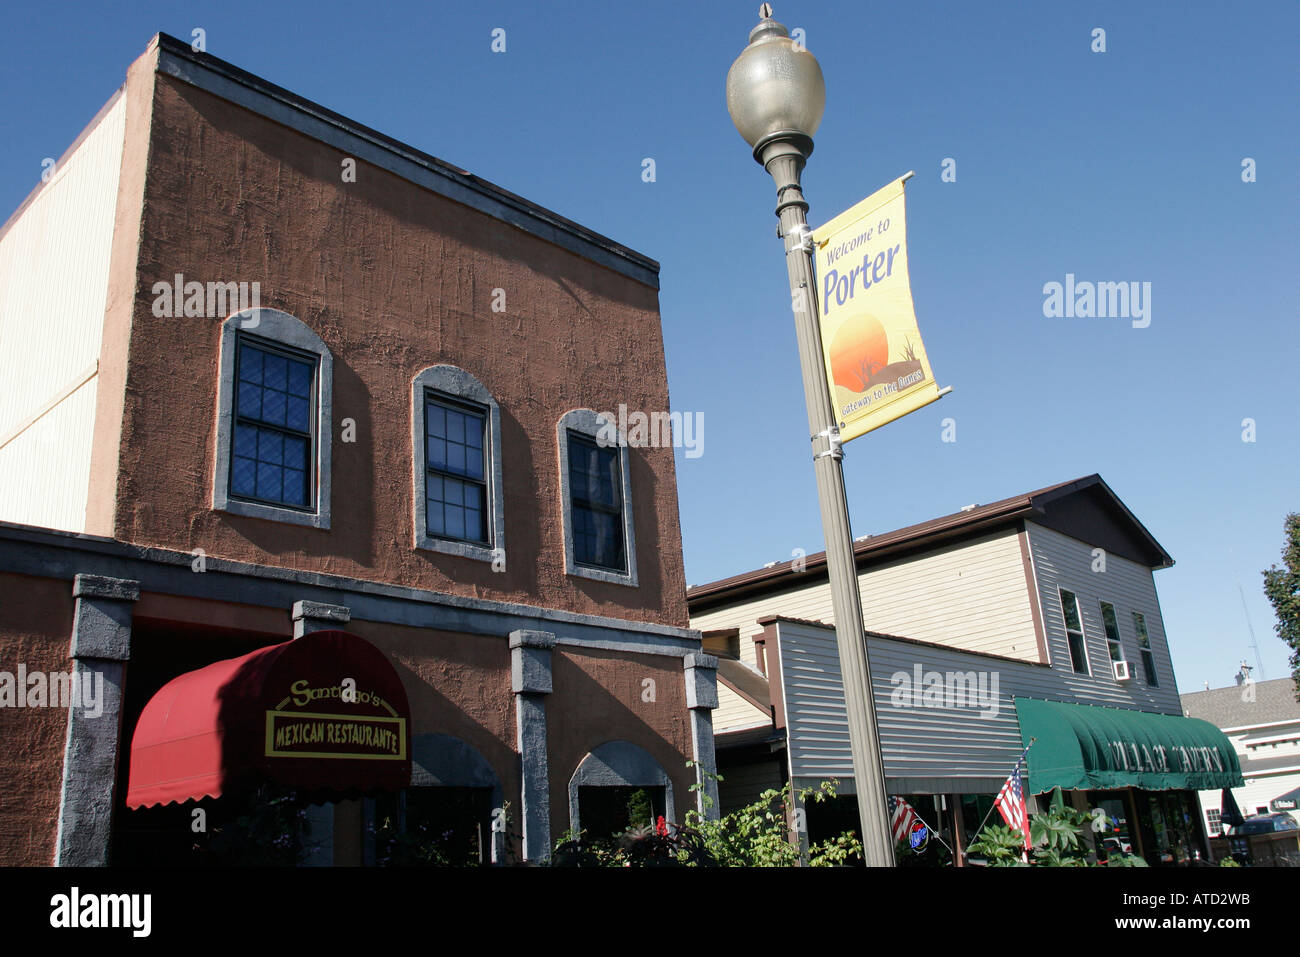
1270 702
1084 508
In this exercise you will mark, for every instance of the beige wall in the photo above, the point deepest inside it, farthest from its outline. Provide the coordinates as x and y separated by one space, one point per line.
972 595
54 269
734 712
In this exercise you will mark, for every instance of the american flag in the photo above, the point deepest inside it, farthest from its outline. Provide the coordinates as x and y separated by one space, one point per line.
1011 804
901 816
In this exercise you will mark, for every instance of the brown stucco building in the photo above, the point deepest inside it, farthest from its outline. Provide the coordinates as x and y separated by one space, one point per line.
299 378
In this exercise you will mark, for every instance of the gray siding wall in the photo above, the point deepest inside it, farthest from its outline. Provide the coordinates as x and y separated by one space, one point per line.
1063 562
926 749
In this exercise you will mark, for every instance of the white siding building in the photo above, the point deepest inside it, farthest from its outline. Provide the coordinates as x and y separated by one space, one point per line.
1044 597
54 270
1262 720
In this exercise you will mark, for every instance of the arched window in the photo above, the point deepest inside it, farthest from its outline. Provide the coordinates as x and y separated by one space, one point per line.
596 498
455 805
613 780
274 420
456 445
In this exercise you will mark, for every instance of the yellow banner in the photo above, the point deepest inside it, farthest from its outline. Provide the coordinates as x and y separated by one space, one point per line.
876 364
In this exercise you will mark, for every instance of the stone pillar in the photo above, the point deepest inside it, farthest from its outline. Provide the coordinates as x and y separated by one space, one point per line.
101 647
530 680
702 698
309 616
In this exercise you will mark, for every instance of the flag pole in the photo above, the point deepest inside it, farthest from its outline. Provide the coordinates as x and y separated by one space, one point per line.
995 803
931 830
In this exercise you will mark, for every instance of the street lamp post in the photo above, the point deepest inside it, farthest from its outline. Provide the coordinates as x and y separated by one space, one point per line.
776 94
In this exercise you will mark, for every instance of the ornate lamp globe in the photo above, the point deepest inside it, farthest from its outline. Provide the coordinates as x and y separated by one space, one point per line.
775 89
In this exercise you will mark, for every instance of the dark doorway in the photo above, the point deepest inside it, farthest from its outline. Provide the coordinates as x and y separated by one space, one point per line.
433 826
173 834
606 812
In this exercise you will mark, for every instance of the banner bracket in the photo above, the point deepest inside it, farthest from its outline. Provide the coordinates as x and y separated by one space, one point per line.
803 239
832 437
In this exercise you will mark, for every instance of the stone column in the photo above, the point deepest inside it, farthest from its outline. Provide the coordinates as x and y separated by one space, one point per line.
530 680
702 698
101 647
309 616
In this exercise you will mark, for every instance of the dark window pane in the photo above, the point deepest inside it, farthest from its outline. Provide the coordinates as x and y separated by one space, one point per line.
1077 657
1140 624
246 441
270 447
245 476
250 400
1108 618
474 463
1070 606
273 464
455 522
250 365
300 379
299 414
456 426
454 453
275 372
1149 667
433 517
436 420
273 407
437 453
295 452
455 458
453 492
597 538
295 486
595 488
269 483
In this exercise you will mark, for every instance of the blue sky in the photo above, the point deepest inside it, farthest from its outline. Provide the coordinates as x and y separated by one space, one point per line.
1115 166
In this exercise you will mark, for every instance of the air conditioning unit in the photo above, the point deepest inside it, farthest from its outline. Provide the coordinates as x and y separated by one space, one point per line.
1121 670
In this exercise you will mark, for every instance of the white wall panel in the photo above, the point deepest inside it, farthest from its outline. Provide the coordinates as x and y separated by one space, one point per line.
54 260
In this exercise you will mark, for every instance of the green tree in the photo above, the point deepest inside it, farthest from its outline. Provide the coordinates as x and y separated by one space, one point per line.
1282 586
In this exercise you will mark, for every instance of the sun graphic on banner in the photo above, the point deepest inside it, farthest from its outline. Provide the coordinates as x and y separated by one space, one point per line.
858 352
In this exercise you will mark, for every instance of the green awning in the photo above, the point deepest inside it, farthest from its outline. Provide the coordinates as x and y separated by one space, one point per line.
1082 747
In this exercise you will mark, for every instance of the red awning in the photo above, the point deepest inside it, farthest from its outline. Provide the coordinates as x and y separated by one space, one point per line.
325 711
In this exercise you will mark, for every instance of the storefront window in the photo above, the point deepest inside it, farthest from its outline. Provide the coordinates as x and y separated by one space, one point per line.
607 812
433 826
1116 836
1170 823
